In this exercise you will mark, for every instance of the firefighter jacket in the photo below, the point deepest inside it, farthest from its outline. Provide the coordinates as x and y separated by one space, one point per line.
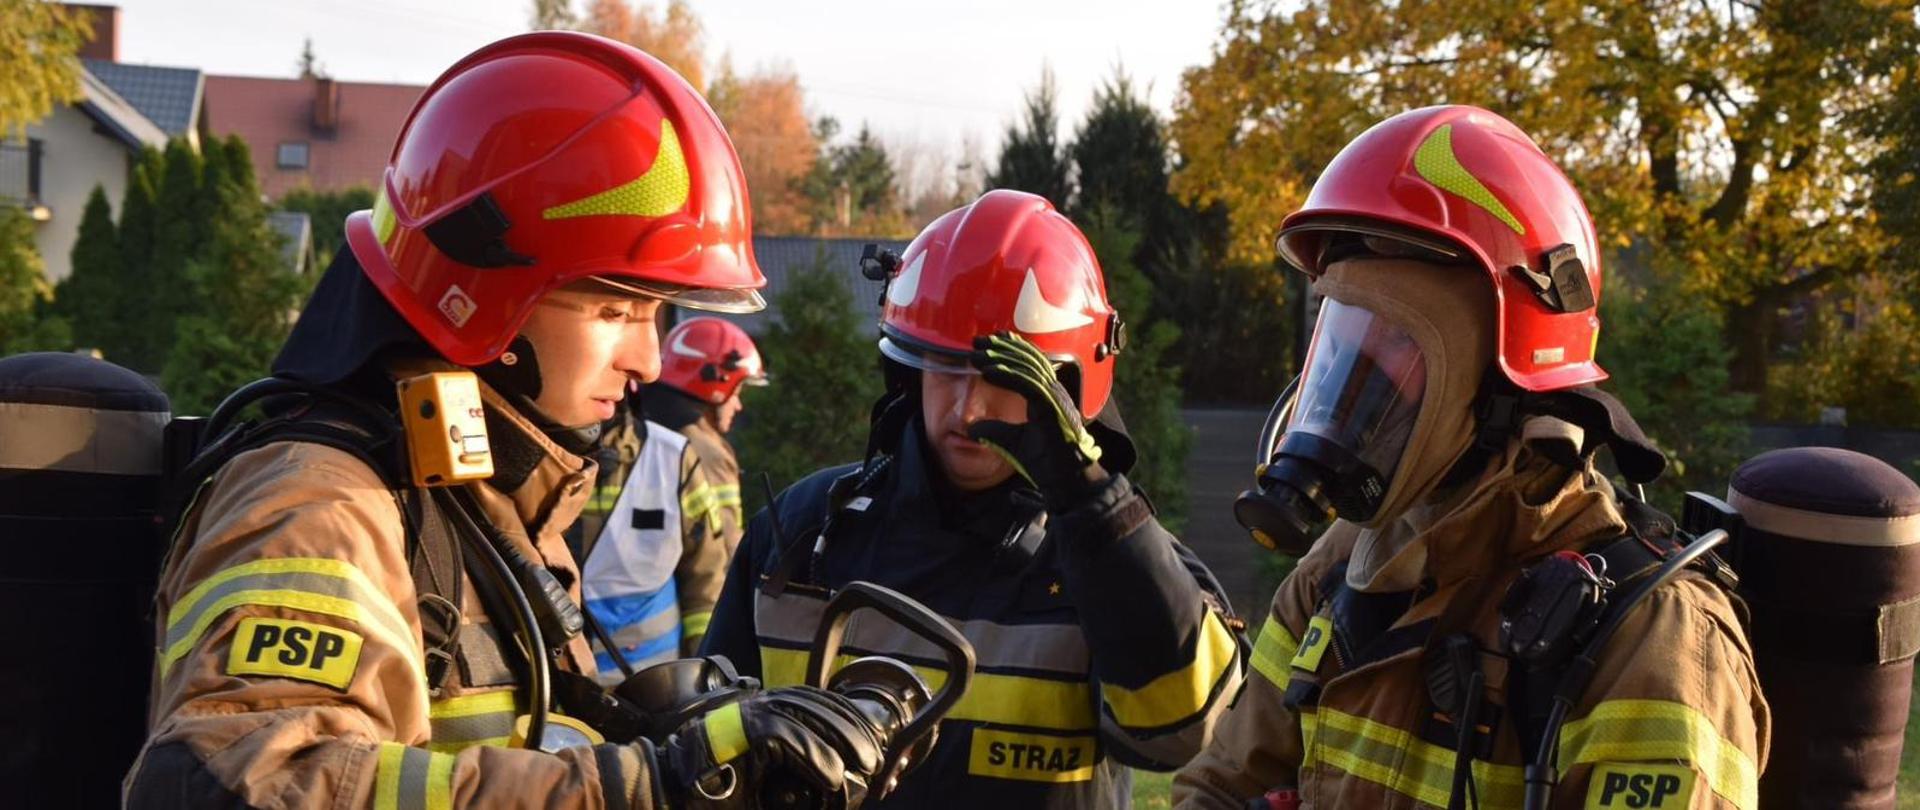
1343 706
655 540
290 668
714 498
1102 641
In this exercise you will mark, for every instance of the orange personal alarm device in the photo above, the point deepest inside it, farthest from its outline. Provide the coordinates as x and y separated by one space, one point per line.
446 428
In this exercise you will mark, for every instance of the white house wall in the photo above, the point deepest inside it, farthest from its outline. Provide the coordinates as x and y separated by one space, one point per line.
74 158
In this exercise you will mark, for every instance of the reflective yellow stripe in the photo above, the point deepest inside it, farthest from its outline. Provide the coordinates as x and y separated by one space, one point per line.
695 624
329 587
697 500
1660 730
1388 756
726 737
386 778
1273 650
412 779
1182 693
440 782
468 720
699 503
991 698
470 705
604 499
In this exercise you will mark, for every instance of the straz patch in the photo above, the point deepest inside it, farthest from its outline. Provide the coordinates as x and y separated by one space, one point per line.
1314 644
1640 786
285 648
1031 757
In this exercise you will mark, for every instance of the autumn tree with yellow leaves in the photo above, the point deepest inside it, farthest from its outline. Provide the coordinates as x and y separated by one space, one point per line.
1725 147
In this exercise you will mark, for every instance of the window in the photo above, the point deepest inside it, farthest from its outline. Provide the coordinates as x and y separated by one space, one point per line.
291 155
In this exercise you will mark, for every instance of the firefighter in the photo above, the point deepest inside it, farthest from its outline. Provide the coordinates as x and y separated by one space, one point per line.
665 517
317 645
1447 417
994 491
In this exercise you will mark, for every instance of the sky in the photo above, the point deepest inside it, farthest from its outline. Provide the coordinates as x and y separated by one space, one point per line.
936 75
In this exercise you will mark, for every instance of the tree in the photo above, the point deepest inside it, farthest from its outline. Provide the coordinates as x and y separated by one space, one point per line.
1031 158
135 313
822 359
1725 139
244 292
766 116
180 220
1120 156
308 65
552 15
675 37
851 186
39 66
1232 317
327 211
1670 370
1146 377
92 299
23 282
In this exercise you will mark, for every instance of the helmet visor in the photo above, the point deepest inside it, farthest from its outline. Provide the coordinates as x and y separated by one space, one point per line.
925 358
1363 386
706 299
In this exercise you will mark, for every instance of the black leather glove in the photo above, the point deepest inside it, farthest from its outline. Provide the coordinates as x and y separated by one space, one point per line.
795 746
1053 450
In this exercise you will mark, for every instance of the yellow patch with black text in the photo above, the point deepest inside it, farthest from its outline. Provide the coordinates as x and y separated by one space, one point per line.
1031 757
286 648
1640 786
1313 645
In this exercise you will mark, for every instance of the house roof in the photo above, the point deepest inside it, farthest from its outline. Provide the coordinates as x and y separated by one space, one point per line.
167 96
781 257
268 112
116 115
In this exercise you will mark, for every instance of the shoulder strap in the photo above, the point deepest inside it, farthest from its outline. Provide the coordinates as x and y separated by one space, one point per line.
1652 536
433 556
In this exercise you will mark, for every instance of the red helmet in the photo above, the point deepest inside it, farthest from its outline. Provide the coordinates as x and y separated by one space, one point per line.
1006 262
1469 184
710 359
547 158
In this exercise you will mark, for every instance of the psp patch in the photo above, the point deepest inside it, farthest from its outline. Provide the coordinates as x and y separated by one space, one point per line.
286 648
1031 757
1314 644
1640 786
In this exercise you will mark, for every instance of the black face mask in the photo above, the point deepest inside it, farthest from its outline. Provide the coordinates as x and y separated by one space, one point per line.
1345 432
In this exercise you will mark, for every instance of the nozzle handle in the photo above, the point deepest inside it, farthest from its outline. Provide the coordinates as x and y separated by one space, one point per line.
921 621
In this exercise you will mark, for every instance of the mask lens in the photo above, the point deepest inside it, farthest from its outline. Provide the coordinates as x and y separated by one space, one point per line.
1363 386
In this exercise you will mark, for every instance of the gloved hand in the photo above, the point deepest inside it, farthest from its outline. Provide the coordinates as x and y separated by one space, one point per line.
783 743
1053 450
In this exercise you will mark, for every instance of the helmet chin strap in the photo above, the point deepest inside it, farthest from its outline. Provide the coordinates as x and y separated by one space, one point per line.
516 375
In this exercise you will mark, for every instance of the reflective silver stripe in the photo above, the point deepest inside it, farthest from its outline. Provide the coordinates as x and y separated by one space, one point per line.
484 718
793 618
638 633
84 440
410 778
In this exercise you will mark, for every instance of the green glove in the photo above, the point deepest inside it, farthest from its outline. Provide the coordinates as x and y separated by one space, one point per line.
1053 450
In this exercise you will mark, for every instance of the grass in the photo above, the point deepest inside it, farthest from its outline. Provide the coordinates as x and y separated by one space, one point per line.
1154 791
1910 759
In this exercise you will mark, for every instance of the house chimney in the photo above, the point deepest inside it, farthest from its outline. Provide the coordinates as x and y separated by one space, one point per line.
326 105
105 42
